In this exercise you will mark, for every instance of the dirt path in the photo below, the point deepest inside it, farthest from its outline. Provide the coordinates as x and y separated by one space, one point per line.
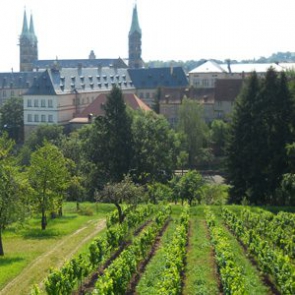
61 251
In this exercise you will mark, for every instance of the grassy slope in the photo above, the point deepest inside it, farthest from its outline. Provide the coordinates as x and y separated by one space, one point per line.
200 278
148 282
30 251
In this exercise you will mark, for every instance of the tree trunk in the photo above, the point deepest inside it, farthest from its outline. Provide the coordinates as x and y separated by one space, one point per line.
120 212
1 244
60 212
43 220
77 206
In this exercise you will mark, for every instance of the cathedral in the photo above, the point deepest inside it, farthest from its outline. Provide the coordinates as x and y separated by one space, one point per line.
29 61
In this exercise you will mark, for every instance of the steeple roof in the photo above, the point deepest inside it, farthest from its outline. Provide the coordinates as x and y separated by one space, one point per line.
135 24
25 29
32 29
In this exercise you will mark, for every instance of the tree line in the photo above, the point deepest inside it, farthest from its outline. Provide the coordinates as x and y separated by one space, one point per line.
120 157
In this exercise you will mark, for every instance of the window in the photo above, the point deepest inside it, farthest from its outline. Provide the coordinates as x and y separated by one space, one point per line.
36 118
36 103
43 103
4 93
43 118
50 103
205 82
29 103
50 118
29 118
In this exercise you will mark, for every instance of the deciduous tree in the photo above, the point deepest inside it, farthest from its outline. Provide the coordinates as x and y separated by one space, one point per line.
12 118
190 123
48 176
13 186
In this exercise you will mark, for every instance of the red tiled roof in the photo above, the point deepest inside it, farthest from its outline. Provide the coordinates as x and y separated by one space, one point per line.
95 107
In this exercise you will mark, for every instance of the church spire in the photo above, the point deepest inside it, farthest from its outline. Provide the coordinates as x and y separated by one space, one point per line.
135 24
32 30
25 29
135 60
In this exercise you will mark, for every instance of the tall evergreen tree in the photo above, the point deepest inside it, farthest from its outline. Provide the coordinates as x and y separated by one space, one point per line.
260 131
241 148
110 144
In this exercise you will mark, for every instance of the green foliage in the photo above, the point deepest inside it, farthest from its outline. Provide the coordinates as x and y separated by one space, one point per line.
219 136
175 253
116 277
159 192
13 187
50 133
110 144
251 229
190 186
191 124
215 194
287 190
232 278
12 118
154 147
49 178
260 130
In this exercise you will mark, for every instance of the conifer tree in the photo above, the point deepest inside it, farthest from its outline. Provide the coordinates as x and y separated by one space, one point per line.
110 144
260 132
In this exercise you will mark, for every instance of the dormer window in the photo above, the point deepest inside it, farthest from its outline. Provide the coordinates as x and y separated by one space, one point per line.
90 78
98 78
82 78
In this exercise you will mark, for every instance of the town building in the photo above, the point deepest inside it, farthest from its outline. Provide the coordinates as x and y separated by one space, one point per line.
147 82
60 94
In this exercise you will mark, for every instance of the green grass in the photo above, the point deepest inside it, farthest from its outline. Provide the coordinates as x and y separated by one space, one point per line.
151 277
200 271
26 242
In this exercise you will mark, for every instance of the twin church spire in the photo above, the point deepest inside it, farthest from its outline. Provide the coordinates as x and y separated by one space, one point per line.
28 43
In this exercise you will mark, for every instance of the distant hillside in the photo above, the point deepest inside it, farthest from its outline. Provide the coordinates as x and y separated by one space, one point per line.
191 64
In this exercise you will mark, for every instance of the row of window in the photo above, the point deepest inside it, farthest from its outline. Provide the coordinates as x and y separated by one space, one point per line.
43 103
40 118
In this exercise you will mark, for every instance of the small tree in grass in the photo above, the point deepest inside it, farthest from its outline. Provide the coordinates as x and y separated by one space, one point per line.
121 192
48 176
190 186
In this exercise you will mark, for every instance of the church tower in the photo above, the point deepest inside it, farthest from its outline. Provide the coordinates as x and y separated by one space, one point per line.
28 44
135 61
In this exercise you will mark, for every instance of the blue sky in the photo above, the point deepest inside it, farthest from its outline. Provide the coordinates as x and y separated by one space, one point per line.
172 29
